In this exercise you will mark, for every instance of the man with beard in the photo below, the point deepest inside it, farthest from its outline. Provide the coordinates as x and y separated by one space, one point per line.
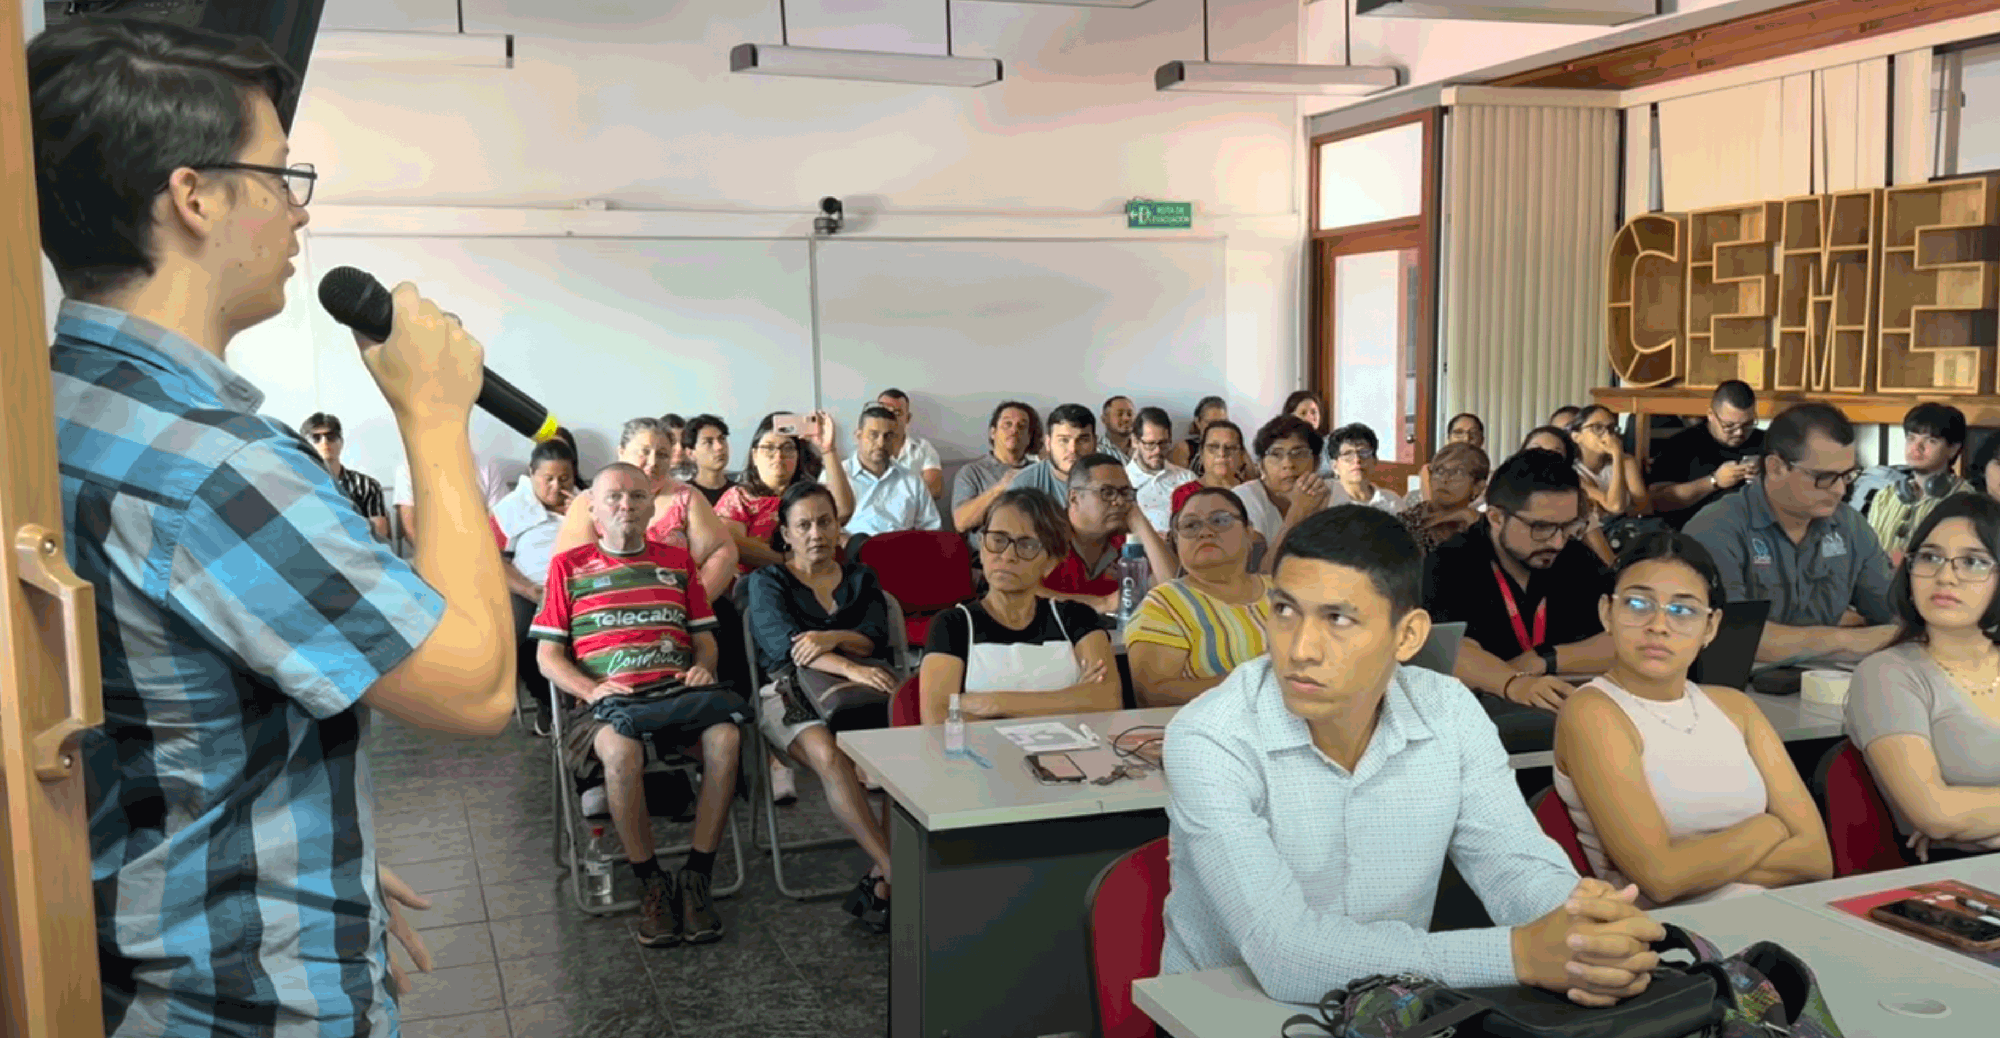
1118 416
1151 469
1525 585
887 496
1700 465
1103 512
1015 432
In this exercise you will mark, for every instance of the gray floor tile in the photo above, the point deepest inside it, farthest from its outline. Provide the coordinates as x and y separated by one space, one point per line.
581 1020
750 1007
519 866
448 874
422 847
453 992
422 820
556 933
451 908
507 900
490 1024
464 945
608 974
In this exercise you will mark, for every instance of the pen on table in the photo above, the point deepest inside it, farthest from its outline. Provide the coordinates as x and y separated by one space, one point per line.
1979 907
1091 735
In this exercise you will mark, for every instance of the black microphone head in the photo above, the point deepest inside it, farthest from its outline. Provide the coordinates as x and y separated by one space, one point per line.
356 299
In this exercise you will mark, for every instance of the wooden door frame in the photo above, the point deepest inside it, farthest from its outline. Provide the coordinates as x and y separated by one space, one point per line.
1420 232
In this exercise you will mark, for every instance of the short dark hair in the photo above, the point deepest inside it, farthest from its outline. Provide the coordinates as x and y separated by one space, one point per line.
1300 396
1155 417
671 421
1529 473
796 494
1049 518
877 412
1034 422
551 450
1352 432
320 420
1943 421
1285 426
1221 425
1988 452
1114 398
1788 433
119 104
1206 403
1366 539
1235 502
1571 409
1476 420
753 482
1674 546
1079 473
1984 514
1570 452
1072 414
1734 393
893 393
691 432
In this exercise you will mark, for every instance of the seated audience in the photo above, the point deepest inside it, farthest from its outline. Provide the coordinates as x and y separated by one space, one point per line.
528 521
1450 506
1118 415
1926 711
1015 434
1352 449
364 491
1013 652
825 621
1701 463
1288 490
1190 633
917 454
1687 790
680 517
1102 514
1524 585
678 461
887 496
750 508
614 672
1153 474
1315 794
1224 462
1305 405
1072 435
1933 438
1985 468
1466 427
1187 454
1788 538
1611 478
706 440
1558 441
1564 417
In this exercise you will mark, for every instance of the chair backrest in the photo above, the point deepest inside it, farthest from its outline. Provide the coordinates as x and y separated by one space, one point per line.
1554 817
928 571
1125 929
906 706
1859 827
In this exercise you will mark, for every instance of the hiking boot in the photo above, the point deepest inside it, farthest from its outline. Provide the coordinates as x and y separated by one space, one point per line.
699 923
659 913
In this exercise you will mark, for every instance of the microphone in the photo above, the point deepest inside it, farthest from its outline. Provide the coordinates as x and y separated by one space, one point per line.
356 299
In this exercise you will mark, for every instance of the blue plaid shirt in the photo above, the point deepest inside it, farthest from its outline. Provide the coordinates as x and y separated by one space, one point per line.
242 610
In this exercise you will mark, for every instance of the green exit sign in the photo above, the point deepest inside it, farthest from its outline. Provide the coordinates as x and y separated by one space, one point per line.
1146 212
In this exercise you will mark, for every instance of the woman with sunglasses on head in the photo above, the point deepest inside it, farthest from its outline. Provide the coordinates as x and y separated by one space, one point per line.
1190 633
1685 790
1012 652
1926 710
777 460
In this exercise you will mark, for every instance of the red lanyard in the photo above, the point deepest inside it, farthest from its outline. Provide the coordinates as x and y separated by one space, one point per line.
1514 614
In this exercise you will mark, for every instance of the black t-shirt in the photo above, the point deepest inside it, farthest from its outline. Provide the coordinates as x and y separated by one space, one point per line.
712 495
1693 454
1459 587
947 634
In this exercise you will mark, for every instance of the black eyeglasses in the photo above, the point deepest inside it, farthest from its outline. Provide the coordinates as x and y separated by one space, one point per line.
1973 569
298 178
1191 526
1025 548
1545 531
1823 479
1111 495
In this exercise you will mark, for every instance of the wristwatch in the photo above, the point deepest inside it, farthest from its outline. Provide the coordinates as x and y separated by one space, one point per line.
1548 655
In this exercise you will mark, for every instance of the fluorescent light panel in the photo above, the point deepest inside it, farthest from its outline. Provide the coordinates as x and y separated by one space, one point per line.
390 47
872 65
1242 77
1081 3
1565 12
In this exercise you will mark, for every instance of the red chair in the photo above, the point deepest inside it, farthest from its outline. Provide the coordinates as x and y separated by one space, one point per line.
1859 827
1554 817
906 705
928 571
1124 928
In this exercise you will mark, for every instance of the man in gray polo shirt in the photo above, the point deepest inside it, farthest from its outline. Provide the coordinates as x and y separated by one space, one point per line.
1072 436
1789 538
1015 434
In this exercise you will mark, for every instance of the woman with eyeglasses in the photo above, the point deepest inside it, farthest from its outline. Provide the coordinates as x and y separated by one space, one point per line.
1611 478
1288 487
1224 461
1012 652
1190 633
1449 507
1683 789
681 517
1188 453
1926 710
777 460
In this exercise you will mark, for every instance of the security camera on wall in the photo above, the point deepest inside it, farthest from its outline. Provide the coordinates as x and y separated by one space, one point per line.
831 217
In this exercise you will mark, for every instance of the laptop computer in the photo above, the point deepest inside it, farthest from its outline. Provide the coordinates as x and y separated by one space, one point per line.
1440 651
1730 658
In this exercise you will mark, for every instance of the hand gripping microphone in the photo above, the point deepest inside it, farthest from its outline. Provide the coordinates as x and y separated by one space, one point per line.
356 299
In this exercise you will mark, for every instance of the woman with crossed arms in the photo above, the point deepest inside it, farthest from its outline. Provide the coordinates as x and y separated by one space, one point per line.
1190 633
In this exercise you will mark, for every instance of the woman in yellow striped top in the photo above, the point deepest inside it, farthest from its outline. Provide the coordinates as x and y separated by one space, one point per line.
1190 633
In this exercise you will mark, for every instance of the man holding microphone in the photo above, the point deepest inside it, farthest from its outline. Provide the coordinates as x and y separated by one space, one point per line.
249 623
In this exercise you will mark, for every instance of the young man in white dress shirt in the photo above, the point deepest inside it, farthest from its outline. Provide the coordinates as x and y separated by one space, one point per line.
1317 791
1151 469
887 496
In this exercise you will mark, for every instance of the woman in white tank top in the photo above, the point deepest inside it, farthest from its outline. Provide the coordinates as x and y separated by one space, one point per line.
1686 791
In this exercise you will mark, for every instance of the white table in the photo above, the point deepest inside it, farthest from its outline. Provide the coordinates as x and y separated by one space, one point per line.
1874 987
1981 872
1795 719
992 868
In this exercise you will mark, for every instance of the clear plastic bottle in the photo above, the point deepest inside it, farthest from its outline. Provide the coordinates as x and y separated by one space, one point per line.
1135 578
954 727
596 869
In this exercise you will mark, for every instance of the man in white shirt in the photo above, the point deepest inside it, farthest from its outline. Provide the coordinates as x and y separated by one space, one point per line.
887 496
529 517
1315 793
1352 449
1152 474
917 454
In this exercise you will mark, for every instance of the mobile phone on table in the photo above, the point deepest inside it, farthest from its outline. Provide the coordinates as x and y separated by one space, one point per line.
1054 767
787 424
1938 923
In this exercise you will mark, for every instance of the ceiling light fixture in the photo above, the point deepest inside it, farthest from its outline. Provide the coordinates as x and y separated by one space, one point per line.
1243 77
876 66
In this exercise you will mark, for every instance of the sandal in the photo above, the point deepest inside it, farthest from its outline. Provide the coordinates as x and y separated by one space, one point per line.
864 904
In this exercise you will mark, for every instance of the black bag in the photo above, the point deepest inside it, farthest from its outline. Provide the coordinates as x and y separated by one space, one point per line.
843 705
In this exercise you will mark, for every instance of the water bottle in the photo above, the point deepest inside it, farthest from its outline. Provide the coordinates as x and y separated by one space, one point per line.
954 727
1135 578
596 869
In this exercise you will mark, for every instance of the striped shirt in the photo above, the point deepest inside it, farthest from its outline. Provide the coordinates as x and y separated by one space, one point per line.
1895 520
1217 636
626 618
243 608
364 490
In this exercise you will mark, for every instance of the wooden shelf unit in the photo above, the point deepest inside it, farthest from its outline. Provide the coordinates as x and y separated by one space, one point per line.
1828 266
1940 267
1732 291
1860 408
1643 304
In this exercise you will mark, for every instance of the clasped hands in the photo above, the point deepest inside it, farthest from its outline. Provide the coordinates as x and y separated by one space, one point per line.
1594 948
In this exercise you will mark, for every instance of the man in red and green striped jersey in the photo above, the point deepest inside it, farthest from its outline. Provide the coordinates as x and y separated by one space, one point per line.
627 617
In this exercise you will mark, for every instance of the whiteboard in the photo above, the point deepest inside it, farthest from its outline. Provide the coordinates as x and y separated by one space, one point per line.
964 325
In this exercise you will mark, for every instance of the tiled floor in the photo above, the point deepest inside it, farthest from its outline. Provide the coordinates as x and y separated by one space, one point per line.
471 825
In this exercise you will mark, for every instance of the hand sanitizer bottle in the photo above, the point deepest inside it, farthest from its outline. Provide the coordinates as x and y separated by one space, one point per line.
954 727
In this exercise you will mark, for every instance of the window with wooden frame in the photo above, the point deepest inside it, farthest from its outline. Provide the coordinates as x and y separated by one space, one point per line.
1373 319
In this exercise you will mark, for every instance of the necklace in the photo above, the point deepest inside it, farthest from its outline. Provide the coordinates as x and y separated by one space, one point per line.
1968 678
1694 712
